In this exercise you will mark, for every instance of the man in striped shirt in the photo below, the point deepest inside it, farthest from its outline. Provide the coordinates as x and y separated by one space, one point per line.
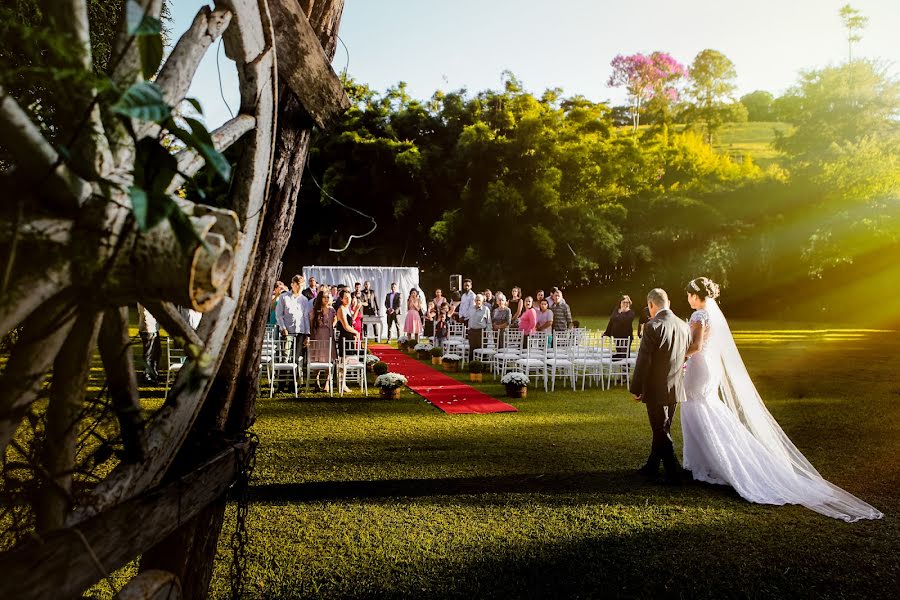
562 314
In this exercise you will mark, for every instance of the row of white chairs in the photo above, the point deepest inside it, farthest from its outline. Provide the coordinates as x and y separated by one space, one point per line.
281 361
568 355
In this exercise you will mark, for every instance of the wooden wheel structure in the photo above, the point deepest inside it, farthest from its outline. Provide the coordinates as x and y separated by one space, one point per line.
85 469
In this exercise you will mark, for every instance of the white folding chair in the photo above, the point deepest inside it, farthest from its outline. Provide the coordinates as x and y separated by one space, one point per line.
319 358
353 364
175 357
509 353
587 358
619 362
559 359
488 350
284 362
533 363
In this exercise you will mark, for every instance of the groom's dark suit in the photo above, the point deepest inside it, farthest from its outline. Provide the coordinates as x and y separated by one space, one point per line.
659 381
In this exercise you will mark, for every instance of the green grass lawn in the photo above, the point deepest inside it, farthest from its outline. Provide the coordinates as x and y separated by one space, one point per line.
364 497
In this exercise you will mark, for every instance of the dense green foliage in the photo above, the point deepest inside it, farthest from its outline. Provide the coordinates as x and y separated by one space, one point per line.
511 188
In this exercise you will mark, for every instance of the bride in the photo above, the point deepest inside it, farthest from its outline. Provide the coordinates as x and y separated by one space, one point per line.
731 438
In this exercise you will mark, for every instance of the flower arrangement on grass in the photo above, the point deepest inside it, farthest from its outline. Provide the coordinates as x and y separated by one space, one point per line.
451 362
371 359
423 350
380 368
476 370
436 353
401 343
516 384
390 384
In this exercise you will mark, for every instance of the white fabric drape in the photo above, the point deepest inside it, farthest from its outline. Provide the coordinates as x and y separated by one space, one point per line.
381 278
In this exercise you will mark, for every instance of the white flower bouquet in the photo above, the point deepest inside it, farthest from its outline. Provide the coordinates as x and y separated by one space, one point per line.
371 359
402 340
452 357
514 379
390 381
423 347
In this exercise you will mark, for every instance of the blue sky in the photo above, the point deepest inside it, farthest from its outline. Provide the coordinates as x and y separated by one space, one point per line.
432 44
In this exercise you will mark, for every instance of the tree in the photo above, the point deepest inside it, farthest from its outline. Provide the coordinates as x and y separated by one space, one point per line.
759 105
854 22
712 77
646 78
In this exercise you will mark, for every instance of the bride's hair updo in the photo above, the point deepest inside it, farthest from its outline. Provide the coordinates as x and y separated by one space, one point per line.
704 287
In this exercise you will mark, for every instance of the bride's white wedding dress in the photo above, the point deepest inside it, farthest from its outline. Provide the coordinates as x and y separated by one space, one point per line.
731 438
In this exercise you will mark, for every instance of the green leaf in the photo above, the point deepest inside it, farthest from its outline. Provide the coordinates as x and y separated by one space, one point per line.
143 101
196 104
200 140
138 22
151 51
149 209
154 166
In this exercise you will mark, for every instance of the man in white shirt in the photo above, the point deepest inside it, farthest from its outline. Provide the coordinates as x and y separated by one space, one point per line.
466 301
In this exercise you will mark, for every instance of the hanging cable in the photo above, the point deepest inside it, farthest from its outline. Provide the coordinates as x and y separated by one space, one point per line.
339 203
219 71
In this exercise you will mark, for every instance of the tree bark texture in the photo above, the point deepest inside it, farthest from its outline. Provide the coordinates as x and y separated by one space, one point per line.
231 405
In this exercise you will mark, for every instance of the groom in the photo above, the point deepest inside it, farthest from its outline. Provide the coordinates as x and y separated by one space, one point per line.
658 381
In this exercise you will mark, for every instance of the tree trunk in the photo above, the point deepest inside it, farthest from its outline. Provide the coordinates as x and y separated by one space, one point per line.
231 405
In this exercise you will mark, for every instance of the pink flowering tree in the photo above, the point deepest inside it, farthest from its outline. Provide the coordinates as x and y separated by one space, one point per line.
646 78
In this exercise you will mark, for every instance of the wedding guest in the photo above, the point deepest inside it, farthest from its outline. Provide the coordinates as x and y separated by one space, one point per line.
391 309
430 315
321 328
516 306
344 325
489 300
562 314
312 290
288 312
453 308
369 303
356 312
538 296
544 320
479 319
412 327
441 329
148 328
621 321
501 318
528 320
276 292
439 299
466 301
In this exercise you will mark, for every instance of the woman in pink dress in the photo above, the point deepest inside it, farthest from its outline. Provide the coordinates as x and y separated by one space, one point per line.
412 327
356 313
528 319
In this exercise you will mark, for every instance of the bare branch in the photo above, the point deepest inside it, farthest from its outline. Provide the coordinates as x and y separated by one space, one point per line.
35 158
29 292
70 374
42 337
176 75
169 317
115 351
190 161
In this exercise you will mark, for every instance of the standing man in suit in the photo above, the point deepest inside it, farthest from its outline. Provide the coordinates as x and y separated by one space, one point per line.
311 292
369 303
658 381
392 309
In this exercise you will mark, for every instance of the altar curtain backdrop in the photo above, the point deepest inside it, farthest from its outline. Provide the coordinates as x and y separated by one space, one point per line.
406 278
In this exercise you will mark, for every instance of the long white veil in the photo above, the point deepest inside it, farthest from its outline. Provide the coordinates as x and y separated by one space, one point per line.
808 488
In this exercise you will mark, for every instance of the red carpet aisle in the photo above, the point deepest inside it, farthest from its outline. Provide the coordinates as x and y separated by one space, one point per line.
448 394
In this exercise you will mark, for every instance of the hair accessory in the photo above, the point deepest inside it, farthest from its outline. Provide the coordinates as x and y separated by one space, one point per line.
695 286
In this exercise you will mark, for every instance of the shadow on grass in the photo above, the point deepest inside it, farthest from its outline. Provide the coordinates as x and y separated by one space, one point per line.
616 481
